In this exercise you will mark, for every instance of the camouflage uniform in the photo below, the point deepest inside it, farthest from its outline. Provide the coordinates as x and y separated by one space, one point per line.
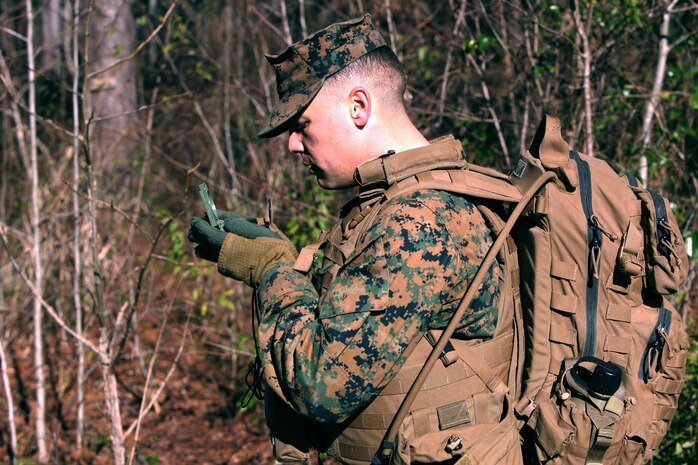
329 352
332 337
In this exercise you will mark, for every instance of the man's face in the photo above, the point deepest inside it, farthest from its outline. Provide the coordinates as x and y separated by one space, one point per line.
322 137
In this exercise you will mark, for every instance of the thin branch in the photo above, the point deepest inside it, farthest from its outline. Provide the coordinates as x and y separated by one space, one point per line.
13 33
460 17
653 101
157 393
141 46
284 22
490 108
141 274
148 377
51 311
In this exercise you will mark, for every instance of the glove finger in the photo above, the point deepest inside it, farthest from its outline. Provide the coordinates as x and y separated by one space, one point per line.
202 232
196 225
249 229
228 215
206 254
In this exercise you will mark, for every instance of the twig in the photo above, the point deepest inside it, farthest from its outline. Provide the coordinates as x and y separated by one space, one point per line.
51 311
454 37
157 393
147 381
490 108
141 274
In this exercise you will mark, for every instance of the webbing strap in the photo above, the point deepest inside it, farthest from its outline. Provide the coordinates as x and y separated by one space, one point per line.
602 440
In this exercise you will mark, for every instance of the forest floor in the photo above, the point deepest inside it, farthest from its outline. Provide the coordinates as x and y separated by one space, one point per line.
197 419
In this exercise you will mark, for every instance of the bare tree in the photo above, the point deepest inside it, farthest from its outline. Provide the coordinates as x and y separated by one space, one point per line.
10 403
653 99
112 89
51 23
36 246
77 242
584 57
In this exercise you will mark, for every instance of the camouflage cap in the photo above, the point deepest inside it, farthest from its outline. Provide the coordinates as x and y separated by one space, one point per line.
303 67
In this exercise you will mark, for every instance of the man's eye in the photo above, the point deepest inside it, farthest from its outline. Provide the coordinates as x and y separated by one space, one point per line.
299 127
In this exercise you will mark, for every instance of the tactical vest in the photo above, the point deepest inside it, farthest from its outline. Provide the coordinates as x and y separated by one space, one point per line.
462 409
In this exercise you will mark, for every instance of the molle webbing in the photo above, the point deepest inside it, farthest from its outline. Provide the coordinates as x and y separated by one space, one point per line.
446 387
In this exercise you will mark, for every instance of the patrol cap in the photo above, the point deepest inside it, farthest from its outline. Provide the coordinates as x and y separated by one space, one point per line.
303 67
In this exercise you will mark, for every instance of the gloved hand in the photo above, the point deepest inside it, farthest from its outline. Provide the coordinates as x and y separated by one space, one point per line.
209 239
245 251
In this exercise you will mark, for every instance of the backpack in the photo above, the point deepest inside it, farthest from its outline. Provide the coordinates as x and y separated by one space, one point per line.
605 350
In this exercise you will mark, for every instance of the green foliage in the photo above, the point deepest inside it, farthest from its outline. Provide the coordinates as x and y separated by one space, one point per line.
96 442
314 217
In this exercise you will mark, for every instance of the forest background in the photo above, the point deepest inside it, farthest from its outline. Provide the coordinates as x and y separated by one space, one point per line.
116 344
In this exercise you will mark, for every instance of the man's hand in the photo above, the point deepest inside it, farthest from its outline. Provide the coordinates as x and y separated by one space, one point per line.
245 250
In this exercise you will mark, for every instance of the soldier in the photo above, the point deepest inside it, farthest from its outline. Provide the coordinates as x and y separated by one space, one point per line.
345 325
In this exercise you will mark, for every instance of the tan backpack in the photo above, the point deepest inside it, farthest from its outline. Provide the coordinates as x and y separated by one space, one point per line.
605 350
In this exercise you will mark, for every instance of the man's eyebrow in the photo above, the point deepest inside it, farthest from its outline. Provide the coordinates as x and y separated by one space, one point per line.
298 124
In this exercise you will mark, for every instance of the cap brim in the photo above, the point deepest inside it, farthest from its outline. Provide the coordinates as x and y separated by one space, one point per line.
287 108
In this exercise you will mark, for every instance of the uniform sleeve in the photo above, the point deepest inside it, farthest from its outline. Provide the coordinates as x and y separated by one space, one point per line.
329 356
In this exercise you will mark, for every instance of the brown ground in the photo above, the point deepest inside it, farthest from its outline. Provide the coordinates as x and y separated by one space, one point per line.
198 419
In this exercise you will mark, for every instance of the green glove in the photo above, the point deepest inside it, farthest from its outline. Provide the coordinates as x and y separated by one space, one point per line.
245 250
245 226
209 239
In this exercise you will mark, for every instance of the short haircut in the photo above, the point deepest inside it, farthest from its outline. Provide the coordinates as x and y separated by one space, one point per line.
381 70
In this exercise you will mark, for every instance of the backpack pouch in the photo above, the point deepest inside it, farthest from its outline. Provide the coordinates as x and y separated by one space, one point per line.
666 253
492 442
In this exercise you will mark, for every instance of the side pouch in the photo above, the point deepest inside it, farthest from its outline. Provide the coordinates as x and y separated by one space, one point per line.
667 260
486 443
586 421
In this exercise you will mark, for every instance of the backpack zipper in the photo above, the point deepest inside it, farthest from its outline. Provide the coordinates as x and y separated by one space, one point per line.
595 242
655 344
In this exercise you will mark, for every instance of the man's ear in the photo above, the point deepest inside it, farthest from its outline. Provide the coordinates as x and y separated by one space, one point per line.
360 106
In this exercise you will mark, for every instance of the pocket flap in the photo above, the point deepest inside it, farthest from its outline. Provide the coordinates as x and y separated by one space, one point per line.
618 344
562 270
618 312
562 334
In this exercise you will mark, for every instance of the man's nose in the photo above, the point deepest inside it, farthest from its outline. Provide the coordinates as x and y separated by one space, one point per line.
295 144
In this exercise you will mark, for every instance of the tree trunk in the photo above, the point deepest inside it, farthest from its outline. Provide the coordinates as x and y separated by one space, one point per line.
51 35
36 246
653 101
10 403
584 64
77 242
112 99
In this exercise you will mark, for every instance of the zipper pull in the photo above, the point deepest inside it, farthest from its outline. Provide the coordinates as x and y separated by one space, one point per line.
595 258
594 220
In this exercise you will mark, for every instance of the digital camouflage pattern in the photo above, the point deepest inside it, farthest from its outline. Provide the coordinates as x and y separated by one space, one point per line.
330 355
302 68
